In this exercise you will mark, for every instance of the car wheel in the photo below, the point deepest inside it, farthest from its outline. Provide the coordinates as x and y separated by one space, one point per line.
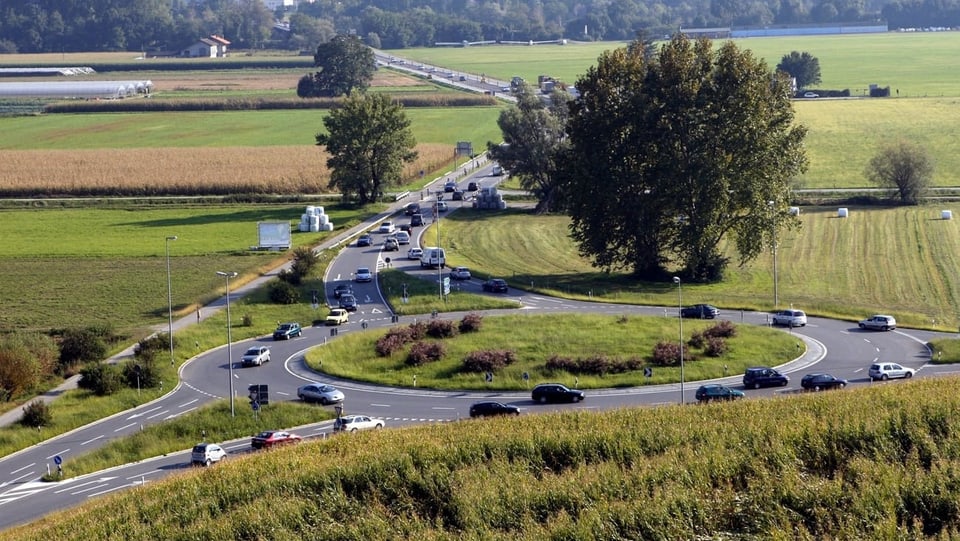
324 401
783 383
300 396
816 388
576 399
378 427
756 385
543 400
908 375
207 462
841 386
353 430
884 377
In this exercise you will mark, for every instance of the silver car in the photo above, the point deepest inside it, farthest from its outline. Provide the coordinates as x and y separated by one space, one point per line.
885 371
879 323
790 318
320 392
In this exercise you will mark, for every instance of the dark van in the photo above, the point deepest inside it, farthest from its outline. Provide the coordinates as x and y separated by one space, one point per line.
416 220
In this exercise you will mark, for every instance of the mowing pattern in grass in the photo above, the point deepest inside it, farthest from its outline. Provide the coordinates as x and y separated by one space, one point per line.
878 260
536 338
876 463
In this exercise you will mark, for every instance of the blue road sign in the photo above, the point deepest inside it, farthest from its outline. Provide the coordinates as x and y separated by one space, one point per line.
57 460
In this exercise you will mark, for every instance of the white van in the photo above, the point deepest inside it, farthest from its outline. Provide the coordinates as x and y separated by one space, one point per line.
433 257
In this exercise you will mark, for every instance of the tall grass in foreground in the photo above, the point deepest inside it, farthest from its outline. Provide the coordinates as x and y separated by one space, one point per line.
871 463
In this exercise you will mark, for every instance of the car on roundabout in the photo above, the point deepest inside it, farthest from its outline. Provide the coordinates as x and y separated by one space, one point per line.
403 237
715 392
496 285
390 244
286 331
822 382
879 322
364 240
354 423
341 290
320 392
338 316
363 274
555 392
491 408
348 303
414 253
460 273
387 227
473 186
255 356
205 454
790 318
762 376
884 370
700 311
450 186
274 438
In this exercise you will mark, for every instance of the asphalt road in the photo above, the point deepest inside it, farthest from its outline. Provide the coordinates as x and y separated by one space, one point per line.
835 346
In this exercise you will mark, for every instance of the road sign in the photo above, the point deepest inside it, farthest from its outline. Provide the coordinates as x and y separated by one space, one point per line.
58 460
446 285
648 372
255 405
526 376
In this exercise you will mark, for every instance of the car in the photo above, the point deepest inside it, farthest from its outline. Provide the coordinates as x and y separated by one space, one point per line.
822 382
715 391
207 453
416 220
497 170
700 311
274 438
441 206
411 208
320 392
472 187
403 237
790 318
450 186
460 273
811 95
487 409
457 196
414 253
390 244
879 322
286 331
348 303
762 376
387 227
353 423
555 392
341 290
363 274
463 77
496 285
884 371
364 240
338 316
405 228
256 356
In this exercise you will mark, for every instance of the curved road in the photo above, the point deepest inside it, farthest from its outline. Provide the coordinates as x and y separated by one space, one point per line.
835 346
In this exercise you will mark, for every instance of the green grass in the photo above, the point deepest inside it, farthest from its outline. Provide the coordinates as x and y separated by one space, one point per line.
536 338
225 128
424 296
869 463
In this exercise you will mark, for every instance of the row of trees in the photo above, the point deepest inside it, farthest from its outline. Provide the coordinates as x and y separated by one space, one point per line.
167 25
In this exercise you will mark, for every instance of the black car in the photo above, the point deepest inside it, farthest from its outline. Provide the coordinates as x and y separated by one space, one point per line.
700 311
555 392
707 393
761 376
364 240
341 290
472 187
416 220
405 227
822 382
496 285
411 208
458 195
485 409
349 303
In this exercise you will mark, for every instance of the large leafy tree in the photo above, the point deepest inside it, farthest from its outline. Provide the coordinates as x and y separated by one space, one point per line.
904 166
533 137
671 154
804 67
345 63
368 139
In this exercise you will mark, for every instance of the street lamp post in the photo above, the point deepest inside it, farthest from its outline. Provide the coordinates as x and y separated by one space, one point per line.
169 297
676 280
227 276
776 289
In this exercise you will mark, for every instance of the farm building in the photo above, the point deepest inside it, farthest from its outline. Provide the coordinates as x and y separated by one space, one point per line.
75 89
211 47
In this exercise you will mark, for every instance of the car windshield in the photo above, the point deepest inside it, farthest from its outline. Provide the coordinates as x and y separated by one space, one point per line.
363 270
253 351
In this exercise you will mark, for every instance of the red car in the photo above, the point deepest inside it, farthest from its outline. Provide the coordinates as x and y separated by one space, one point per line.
273 438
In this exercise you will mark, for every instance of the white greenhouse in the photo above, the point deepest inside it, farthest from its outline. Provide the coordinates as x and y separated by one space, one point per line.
75 89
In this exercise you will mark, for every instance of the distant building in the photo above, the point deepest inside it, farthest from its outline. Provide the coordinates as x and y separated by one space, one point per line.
211 47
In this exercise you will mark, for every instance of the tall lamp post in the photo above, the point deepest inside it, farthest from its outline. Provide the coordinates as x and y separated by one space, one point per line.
169 297
676 280
228 276
773 221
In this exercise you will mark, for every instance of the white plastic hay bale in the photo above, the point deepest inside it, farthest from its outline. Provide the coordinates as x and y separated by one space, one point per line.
946 214
795 211
304 227
842 212
311 210
327 226
318 211
305 218
323 218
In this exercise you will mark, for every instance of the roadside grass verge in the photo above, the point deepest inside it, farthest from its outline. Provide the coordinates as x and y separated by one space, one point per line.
423 296
871 463
897 260
536 338
184 431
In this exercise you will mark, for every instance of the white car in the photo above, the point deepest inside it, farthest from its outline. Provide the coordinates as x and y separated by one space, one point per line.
885 371
363 274
320 392
790 318
353 423
414 253
879 322
256 356
207 453
460 273
403 237
811 95
387 227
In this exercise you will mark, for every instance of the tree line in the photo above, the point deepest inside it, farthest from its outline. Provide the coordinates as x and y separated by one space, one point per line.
38 26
